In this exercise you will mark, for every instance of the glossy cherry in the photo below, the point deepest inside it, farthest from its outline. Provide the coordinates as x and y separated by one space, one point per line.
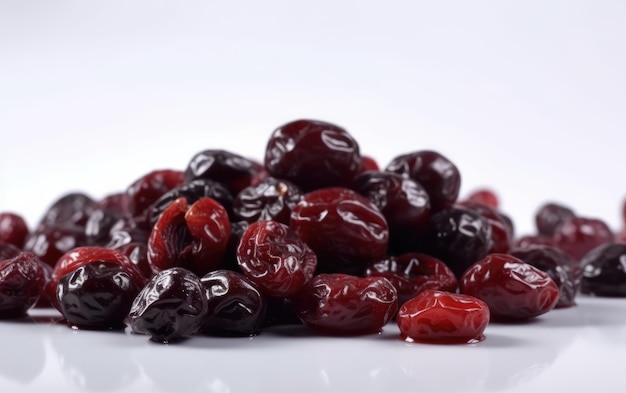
579 235
270 199
484 196
13 229
604 271
550 216
21 284
146 190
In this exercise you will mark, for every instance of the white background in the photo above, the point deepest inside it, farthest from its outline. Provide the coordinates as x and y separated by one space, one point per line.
525 97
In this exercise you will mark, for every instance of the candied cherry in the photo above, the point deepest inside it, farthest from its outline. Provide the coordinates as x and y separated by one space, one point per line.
550 216
270 199
512 289
49 243
69 210
137 253
21 284
273 256
341 304
413 273
313 154
436 173
502 231
232 170
579 235
13 229
172 306
562 269
485 197
96 295
146 190
443 317
603 271
459 237
235 307
343 228
193 237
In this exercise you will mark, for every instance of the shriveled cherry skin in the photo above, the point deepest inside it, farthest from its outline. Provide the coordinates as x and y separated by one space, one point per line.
237 229
273 256
96 295
341 304
270 199
550 216
236 306
193 191
69 210
459 237
343 228
443 317
562 269
100 224
436 173
413 273
13 229
512 289
146 190
232 170
49 243
502 231
579 235
534 240
603 271
21 284
193 237
137 253
484 196
172 306
312 154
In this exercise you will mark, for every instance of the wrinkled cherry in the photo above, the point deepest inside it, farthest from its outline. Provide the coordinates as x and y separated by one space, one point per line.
270 199
21 284
550 216
413 273
437 174
345 229
96 295
443 317
579 235
69 210
341 304
604 271
172 306
13 229
273 256
312 154
49 243
512 289
232 170
146 190
502 231
137 253
562 269
235 307
459 237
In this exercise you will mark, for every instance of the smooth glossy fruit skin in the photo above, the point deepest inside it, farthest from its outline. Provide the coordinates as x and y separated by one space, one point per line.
312 154
193 237
604 271
172 306
49 243
443 317
562 269
413 273
21 284
550 216
270 199
343 228
96 295
341 304
579 235
485 197
436 173
273 256
235 306
146 190
231 170
512 289
137 254
368 164
459 237
13 229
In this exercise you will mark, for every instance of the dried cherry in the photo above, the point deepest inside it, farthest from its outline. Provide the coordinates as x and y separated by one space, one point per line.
604 271
13 229
270 199
21 284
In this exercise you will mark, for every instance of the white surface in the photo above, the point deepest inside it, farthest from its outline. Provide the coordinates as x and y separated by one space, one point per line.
580 349
526 97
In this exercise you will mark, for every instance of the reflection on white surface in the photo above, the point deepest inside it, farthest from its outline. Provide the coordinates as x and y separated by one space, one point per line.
553 351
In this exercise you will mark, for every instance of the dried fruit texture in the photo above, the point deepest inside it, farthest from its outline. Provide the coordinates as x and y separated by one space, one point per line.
345 230
313 154
413 273
273 256
172 306
502 231
235 306
443 317
604 271
192 237
579 235
340 304
149 188
550 216
270 199
21 283
13 229
512 289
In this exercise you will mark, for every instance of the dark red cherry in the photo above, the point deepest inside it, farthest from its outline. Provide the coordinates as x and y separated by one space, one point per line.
13 229
49 243
550 216
21 284
604 271
579 235
149 188
270 199
502 231
70 210
484 197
